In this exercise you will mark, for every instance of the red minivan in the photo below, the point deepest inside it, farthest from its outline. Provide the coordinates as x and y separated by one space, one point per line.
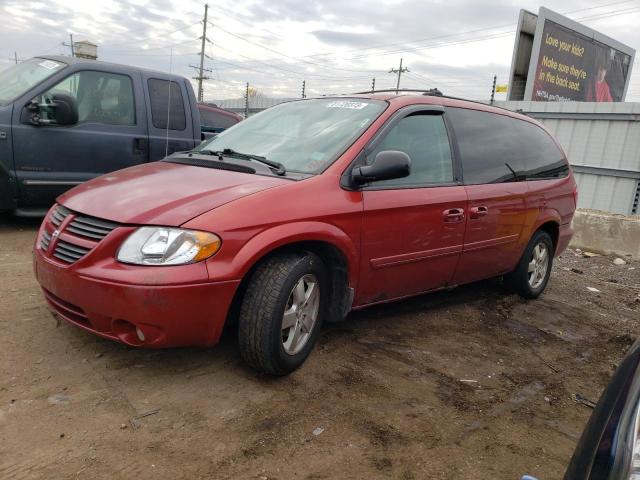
302 213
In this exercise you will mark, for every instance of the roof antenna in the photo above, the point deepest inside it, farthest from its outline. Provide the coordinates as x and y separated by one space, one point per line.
166 142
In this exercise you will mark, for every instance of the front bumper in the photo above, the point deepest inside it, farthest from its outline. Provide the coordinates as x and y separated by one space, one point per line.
191 314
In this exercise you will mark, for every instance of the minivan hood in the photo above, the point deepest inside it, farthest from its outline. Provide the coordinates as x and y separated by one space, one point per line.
162 193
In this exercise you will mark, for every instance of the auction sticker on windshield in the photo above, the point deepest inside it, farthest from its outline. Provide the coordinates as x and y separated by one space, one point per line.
50 64
346 104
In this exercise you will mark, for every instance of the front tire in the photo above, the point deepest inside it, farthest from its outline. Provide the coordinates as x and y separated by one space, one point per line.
531 276
282 311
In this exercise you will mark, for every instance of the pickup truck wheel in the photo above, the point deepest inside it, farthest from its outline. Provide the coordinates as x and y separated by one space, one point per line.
282 311
531 276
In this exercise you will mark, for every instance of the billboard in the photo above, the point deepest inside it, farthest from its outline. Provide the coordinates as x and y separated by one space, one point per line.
568 62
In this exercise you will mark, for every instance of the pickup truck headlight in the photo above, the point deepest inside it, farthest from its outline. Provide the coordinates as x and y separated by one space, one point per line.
167 246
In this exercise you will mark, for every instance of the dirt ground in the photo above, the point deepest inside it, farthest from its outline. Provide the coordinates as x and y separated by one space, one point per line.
474 383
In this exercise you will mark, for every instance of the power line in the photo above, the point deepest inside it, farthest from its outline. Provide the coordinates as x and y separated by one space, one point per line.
468 40
274 67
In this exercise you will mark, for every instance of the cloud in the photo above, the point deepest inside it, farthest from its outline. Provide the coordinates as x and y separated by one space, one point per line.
454 44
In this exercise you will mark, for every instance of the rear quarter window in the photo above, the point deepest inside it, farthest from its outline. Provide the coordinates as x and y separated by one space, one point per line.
166 104
541 158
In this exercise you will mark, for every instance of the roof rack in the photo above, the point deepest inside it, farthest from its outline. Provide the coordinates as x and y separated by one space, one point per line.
433 92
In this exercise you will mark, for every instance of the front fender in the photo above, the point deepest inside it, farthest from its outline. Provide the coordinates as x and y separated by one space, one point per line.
281 235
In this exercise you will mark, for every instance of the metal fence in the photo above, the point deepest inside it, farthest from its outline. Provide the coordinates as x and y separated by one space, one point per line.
602 141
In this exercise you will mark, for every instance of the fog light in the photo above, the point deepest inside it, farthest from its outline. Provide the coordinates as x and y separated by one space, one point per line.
140 334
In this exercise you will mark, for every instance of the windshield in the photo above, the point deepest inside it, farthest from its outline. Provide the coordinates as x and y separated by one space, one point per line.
22 77
304 136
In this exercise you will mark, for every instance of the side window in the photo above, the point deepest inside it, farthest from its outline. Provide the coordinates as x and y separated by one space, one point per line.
227 121
489 146
424 138
166 102
215 119
101 97
541 157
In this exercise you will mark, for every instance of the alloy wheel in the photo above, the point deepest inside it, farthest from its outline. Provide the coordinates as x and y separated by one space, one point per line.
300 314
538 265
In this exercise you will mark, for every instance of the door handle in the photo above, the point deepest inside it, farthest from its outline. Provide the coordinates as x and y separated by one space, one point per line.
140 146
453 215
477 212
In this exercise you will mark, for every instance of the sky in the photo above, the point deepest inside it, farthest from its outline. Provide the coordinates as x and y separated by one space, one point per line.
334 46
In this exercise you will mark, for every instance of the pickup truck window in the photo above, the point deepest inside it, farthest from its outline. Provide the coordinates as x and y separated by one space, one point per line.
102 97
21 78
305 136
161 98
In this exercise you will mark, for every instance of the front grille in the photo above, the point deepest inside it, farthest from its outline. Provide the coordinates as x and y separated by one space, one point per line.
77 234
68 252
90 227
46 239
59 214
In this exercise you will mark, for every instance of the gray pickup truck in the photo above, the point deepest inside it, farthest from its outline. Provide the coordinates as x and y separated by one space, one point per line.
66 120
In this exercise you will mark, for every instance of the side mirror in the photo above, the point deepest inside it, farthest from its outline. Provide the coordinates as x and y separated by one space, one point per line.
387 165
65 109
62 109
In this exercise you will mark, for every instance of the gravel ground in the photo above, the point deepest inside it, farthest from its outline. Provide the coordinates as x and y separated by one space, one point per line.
474 383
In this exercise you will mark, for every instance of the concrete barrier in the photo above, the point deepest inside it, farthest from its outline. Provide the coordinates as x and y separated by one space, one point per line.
606 233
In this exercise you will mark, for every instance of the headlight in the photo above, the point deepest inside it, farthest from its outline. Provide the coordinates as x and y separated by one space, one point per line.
167 246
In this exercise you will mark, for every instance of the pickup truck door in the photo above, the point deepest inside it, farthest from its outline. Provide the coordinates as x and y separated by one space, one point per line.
183 132
111 133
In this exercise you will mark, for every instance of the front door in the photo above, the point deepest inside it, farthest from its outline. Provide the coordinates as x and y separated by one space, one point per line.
413 227
111 133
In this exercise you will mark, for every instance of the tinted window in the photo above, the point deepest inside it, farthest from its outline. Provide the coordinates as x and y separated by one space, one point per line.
424 138
101 97
160 96
488 145
541 158
214 119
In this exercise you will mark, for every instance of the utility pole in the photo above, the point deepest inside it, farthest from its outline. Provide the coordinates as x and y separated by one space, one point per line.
70 45
201 76
399 71
493 89
373 84
304 82
246 102
15 57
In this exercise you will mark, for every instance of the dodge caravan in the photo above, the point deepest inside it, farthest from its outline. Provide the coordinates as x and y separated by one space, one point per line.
302 213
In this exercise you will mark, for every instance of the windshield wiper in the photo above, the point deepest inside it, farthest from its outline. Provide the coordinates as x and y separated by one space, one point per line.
229 152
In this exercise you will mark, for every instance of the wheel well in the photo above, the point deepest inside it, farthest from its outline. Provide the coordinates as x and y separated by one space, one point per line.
339 301
553 229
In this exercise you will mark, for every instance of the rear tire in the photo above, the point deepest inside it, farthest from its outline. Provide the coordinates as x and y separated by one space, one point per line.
531 276
282 311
